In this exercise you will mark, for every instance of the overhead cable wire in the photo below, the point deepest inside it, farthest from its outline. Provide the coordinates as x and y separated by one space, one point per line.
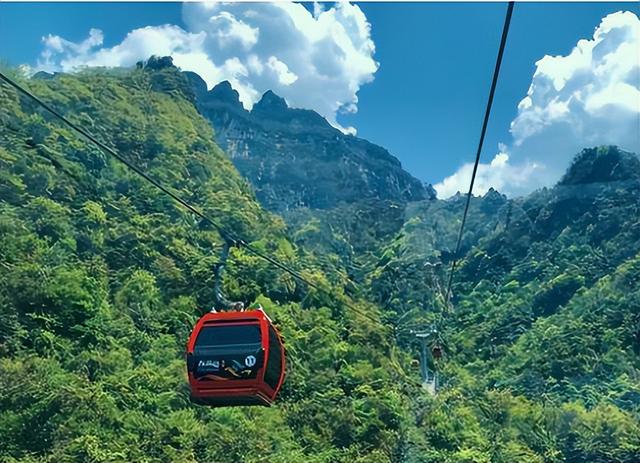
487 113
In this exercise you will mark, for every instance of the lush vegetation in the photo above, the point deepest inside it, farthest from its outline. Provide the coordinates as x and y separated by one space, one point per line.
102 277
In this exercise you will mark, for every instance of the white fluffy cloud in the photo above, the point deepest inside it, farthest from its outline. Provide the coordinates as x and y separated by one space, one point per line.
589 97
314 60
499 174
60 54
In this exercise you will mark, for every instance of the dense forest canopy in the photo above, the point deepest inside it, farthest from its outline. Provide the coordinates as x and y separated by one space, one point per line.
102 277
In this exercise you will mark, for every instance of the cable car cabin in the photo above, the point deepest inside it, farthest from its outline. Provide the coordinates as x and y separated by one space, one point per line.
436 352
235 358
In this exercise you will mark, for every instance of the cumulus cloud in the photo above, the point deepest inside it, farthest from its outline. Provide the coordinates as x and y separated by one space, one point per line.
499 174
589 97
316 60
62 55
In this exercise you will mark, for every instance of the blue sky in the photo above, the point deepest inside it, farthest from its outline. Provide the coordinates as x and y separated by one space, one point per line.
445 89
425 100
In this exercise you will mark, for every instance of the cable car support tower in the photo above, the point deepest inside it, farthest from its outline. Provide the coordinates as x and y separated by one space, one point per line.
429 374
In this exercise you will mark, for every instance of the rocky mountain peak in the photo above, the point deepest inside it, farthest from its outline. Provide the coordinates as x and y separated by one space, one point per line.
270 102
225 93
294 158
156 63
601 165
494 195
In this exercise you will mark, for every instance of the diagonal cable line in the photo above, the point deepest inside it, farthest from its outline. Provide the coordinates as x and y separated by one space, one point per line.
494 83
224 233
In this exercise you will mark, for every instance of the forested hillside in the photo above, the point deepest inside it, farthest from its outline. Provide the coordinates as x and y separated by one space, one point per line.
102 277
551 302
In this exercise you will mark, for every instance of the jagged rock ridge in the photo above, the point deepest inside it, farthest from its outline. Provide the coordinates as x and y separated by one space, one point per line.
295 158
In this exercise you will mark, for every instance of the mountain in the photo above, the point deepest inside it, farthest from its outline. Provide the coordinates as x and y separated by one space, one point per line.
102 277
602 165
544 324
412 267
295 158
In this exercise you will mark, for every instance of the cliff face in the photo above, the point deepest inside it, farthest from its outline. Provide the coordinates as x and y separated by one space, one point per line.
295 158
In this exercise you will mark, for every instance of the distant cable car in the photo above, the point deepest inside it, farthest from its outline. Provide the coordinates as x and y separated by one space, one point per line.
235 358
436 352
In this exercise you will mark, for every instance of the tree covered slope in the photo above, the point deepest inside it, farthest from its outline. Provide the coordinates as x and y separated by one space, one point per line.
550 302
542 340
102 277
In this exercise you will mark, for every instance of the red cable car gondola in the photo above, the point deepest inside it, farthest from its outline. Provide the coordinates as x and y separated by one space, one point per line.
235 358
